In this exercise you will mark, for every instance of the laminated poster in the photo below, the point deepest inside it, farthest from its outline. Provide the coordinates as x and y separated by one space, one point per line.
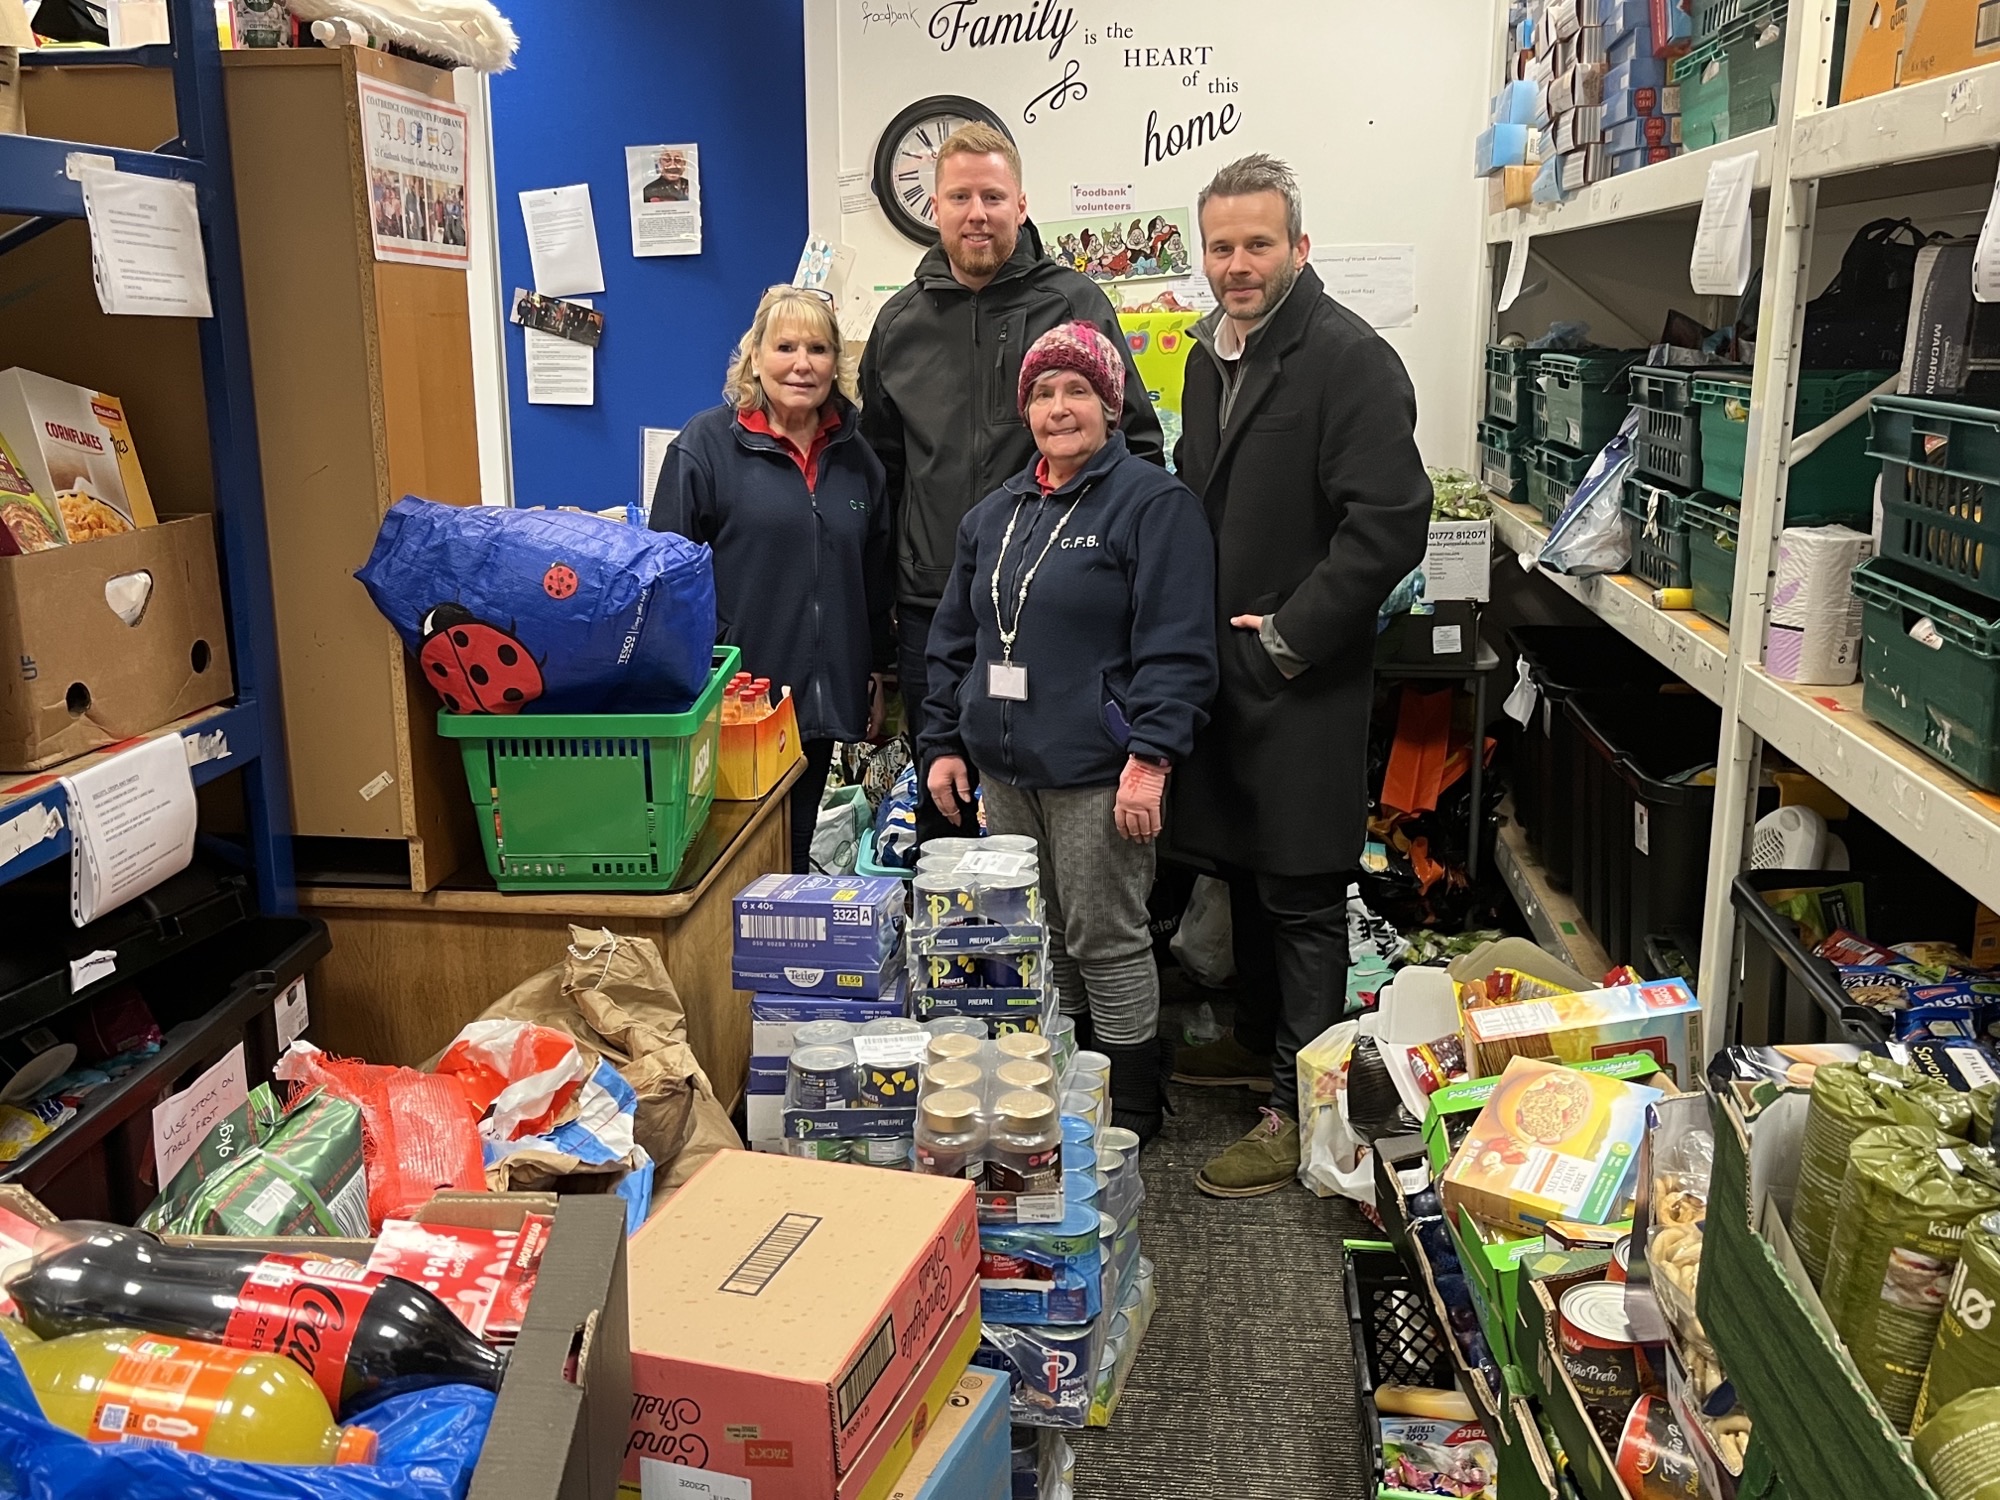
663 186
414 149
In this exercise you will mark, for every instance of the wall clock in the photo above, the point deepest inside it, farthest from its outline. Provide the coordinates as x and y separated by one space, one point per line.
906 160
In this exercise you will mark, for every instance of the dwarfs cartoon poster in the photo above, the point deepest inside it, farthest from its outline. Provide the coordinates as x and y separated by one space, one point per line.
1123 247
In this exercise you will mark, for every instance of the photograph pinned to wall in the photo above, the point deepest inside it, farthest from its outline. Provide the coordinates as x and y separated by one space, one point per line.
578 322
663 187
414 150
1123 247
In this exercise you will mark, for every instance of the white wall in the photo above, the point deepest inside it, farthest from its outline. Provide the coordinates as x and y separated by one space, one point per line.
1375 107
482 290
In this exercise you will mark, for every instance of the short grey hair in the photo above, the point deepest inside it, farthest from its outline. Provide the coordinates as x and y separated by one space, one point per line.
1258 174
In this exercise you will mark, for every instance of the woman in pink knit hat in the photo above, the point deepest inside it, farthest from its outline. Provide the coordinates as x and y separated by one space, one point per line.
1070 663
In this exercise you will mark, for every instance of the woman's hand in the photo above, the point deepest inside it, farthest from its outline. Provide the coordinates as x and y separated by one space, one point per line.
950 784
1142 794
878 707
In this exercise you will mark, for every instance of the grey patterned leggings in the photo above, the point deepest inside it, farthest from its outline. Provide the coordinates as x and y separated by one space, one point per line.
1094 885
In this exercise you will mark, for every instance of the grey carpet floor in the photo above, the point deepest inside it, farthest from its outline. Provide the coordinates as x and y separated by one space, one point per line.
1244 1386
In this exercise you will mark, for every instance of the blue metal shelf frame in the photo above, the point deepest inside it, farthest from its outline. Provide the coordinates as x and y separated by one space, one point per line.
34 181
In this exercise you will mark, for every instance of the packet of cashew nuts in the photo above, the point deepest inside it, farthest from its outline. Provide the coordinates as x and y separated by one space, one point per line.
1670 1215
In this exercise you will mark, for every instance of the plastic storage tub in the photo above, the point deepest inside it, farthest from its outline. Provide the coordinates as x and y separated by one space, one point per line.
594 802
1711 524
1509 372
1836 483
1713 16
1580 398
1503 460
1659 534
1930 666
1669 440
1940 472
1642 815
1564 660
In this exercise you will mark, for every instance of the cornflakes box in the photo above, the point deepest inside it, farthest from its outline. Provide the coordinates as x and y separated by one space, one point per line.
1552 1143
1662 1020
28 522
74 447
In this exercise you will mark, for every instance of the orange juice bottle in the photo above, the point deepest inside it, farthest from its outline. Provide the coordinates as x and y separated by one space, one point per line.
118 1385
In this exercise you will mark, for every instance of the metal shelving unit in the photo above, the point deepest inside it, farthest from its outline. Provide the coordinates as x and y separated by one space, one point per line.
1940 134
248 735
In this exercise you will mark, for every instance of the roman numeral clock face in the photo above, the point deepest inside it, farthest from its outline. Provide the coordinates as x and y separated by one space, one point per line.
905 176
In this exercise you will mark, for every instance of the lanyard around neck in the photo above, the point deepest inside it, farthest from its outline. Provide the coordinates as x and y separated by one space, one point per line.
1009 632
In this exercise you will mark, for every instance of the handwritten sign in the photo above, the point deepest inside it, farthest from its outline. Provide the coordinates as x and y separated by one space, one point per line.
181 1123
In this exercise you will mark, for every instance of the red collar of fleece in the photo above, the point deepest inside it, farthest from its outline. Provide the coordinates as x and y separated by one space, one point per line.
757 420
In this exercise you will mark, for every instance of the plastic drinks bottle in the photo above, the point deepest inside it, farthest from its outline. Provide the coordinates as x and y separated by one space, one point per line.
359 1334
118 1385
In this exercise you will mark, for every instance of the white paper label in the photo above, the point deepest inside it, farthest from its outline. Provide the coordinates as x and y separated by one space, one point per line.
290 1013
91 968
1001 862
1040 1208
659 1481
1500 1021
1517 267
26 829
377 787
1007 680
1926 633
185 1119
1642 828
78 162
890 1051
204 745
1720 265
1445 640
1986 259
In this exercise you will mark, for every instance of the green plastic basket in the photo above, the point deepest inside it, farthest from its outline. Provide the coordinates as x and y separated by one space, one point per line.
1836 483
1940 475
1756 63
1930 666
1668 447
1659 534
1508 372
1711 524
592 802
1703 77
1580 399
1503 460
1553 475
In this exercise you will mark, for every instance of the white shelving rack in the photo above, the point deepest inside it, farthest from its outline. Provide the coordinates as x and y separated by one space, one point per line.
1911 143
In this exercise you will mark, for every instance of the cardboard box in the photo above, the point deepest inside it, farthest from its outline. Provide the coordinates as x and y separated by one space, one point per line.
794 1316
756 756
966 1454
1879 34
1947 36
1938 342
850 922
563 1414
877 980
1458 561
1450 1111
1552 1143
76 448
76 676
1661 1019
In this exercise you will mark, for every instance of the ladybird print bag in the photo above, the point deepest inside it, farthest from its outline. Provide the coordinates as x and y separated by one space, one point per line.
544 611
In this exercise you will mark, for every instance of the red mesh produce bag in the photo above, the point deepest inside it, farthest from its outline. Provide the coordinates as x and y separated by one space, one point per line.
419 1132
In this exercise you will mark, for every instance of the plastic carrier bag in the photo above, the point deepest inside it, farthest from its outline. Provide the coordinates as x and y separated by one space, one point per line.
429 1446
545 611
1593 535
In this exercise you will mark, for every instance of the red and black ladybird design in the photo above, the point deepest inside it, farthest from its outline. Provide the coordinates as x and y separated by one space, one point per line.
560 582
476 667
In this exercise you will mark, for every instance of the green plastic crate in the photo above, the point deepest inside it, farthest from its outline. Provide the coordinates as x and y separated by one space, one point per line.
1580 398
1711 524
1659 534
1553 476
592 802
1669 437
1508 373
1939 688
1940 475
1756 64
1503 460
1713 16
1836 483
1703 77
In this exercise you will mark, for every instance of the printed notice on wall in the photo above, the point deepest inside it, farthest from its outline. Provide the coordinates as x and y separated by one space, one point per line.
560 371
653 445
1087 198
133 818
414 149
664 186
1378 282
145 245
562 240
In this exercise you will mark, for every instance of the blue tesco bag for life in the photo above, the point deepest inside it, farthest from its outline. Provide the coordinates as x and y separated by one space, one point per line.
544 611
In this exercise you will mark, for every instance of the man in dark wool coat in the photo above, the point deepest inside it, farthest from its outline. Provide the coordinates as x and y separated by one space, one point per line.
1299 435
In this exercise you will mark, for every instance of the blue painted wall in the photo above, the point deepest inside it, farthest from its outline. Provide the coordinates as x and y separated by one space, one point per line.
592 79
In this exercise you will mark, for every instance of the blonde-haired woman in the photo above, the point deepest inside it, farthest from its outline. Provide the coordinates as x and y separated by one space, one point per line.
779 482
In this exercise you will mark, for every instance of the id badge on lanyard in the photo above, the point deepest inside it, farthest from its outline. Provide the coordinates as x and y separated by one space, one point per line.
1007 681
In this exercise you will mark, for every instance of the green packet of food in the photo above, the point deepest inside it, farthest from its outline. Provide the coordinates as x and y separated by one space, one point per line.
1966 1355
1904 1208
236 1132
1958 1450
1820 910
1848 1098
307 1177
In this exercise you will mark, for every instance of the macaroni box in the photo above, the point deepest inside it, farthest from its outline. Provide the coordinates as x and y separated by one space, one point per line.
791 1318
1552 1143
76 450
1662 1020
779 976
843 922
756 754
966 1454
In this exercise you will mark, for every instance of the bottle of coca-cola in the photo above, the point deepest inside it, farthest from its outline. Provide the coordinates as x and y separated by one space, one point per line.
361 1335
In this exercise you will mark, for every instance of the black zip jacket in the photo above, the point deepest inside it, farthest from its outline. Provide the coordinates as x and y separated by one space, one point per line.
1118 633
801 577
939 383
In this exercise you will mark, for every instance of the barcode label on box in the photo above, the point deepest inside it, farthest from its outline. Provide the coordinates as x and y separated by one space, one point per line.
761 927
1491 1025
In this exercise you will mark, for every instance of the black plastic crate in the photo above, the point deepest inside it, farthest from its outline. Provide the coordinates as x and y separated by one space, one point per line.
1659 534
1782 993
1564 660
1509 372
207 999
